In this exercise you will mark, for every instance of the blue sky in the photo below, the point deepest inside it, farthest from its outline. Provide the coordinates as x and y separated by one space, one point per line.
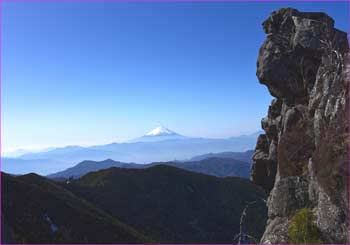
94 73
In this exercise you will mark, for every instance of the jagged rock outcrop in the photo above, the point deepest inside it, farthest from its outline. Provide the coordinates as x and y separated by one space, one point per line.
301 160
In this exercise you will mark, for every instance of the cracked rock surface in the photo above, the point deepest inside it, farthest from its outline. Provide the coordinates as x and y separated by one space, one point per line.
301 160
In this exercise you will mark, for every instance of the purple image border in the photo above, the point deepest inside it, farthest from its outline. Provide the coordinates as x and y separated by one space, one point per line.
152 1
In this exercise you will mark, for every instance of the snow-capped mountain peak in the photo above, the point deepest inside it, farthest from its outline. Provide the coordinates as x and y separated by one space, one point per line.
160 131
158 134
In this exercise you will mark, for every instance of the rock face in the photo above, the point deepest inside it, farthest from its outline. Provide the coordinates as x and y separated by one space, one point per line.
301 160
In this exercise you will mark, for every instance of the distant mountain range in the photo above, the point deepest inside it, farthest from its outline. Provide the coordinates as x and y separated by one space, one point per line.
213 164
40 166
20 152
160 145
242 156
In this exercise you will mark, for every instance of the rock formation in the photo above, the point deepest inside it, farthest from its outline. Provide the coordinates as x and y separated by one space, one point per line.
301 161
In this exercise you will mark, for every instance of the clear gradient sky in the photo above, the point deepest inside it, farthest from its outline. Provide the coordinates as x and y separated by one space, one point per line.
95 73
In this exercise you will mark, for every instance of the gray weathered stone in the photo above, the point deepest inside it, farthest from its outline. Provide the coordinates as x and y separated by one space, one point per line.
302 160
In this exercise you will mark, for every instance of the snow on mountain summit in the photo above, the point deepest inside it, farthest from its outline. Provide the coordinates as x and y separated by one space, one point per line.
158 134
160 131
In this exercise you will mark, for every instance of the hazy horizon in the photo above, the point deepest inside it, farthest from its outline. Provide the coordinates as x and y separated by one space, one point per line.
18 151
76 73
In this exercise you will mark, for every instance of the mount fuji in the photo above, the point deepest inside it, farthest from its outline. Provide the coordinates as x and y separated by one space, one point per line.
158 134
161 131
